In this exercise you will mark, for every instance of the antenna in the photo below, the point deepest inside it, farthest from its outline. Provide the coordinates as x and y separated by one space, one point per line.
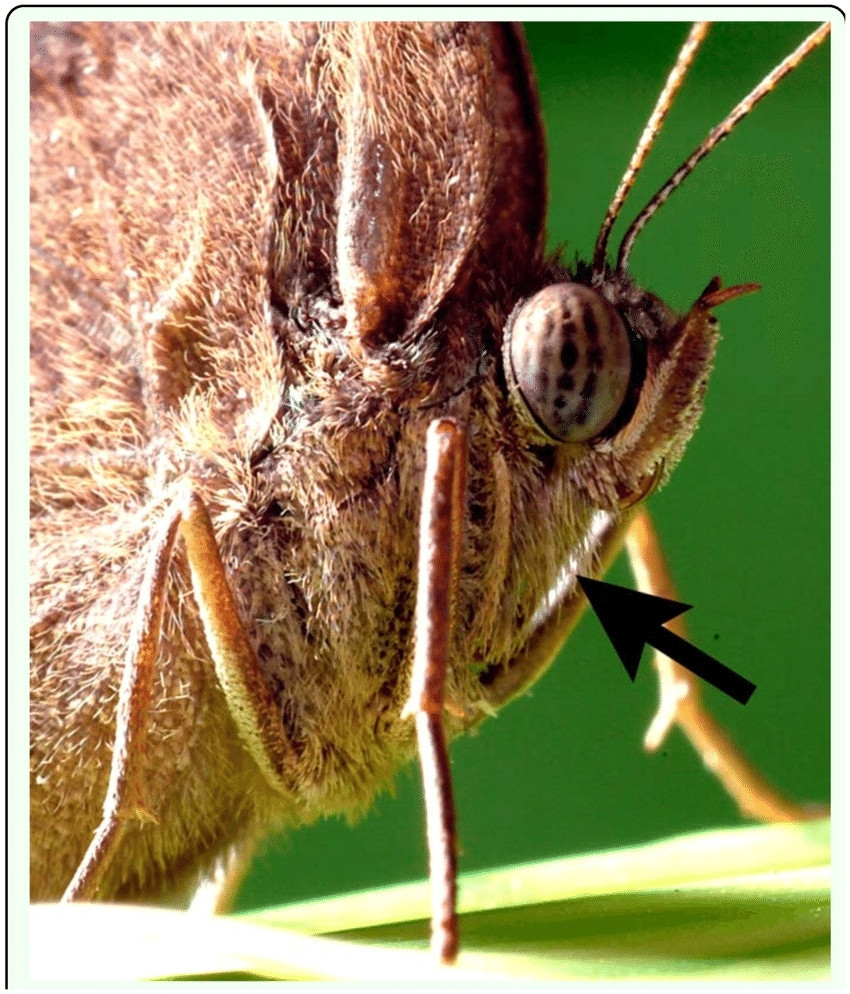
686 56
714 137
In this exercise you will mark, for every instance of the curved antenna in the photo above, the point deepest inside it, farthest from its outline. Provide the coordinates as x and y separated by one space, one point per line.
715 136
686 56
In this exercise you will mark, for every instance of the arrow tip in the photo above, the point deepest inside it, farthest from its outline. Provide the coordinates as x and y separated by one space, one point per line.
628 617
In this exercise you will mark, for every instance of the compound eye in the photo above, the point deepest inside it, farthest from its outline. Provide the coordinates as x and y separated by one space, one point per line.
568 362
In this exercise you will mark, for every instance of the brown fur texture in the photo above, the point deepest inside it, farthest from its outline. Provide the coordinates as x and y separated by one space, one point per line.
265 257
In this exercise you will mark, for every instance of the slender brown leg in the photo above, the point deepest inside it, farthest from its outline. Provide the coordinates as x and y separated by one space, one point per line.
236 668
123 796
439 553
681 703
251 704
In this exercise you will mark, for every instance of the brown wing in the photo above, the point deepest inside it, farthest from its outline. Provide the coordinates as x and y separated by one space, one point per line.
387 169
152 218
413 163
433 140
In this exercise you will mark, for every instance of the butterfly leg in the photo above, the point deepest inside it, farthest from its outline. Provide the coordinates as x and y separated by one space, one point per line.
439 553
236 668
681 698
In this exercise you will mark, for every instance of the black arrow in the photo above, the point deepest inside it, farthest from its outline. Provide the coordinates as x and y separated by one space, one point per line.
632 619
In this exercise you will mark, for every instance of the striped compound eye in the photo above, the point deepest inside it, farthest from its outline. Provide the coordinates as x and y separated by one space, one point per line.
568 362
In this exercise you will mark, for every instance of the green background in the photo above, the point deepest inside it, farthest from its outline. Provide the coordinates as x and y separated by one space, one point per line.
745 519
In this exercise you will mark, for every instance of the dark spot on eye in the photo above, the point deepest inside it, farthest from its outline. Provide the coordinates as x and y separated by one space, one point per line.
594 357
589 388
560 401
591 328
565 382
569 354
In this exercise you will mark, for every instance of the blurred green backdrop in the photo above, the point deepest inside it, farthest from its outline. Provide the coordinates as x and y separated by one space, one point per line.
745 519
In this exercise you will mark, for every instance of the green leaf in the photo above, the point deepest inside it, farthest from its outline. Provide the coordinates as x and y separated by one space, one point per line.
741 904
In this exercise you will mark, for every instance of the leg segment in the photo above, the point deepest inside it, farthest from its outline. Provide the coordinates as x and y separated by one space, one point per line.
439 553
681 703
236 667
124 794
